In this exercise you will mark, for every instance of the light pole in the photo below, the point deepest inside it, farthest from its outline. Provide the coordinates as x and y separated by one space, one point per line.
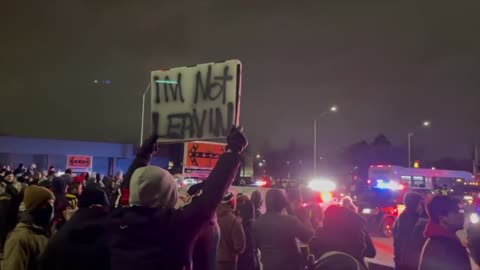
332 109
425 124
143 113
149 86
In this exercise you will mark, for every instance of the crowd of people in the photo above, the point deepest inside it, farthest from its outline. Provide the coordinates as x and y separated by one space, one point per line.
134 222
425 235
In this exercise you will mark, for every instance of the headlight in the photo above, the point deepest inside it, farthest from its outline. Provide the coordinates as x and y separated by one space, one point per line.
322 185
474 218
366 211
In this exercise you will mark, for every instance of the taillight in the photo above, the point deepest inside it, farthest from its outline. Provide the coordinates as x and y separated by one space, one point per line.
391 210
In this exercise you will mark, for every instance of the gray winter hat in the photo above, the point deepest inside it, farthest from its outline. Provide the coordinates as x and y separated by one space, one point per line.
153 187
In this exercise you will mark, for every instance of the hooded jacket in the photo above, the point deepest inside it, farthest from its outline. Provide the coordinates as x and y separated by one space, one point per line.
248 260
443 250
84 236
257 200
61 202
9 204
232 236
24 246
403 229
415 245
146 237
402 238
342 232
276 235
7 222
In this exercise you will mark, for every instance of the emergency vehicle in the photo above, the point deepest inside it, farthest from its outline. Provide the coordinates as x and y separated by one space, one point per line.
383 202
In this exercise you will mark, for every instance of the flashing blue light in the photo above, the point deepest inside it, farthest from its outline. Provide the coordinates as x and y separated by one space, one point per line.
388 185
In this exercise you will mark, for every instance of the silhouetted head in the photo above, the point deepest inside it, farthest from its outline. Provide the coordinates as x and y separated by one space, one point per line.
275 200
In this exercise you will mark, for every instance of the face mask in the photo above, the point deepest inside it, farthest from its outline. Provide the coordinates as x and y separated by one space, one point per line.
43 216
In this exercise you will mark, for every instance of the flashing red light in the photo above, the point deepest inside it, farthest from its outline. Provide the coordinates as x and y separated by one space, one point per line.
391 210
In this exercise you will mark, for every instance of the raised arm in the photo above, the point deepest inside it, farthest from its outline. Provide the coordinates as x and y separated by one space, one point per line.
142 159
203 208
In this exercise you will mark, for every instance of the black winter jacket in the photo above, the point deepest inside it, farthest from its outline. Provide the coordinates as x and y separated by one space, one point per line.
151 239
402 237
81 244
443 251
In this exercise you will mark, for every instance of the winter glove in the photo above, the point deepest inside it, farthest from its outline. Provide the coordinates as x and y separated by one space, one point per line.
149 146
236 140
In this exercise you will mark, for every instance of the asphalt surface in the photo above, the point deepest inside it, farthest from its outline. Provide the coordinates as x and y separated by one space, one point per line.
384 248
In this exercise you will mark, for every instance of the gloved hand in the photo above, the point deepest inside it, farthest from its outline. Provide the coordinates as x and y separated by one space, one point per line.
236 140
149 146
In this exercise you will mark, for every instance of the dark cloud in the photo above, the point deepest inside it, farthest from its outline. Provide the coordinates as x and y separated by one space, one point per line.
388 66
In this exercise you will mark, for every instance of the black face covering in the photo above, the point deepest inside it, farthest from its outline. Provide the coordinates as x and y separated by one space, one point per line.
43 216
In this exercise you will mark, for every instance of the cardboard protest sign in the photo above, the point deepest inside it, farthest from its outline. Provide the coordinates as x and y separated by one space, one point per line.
201 157
196 102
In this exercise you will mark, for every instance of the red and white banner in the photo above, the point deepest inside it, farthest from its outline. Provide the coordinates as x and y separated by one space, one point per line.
79 162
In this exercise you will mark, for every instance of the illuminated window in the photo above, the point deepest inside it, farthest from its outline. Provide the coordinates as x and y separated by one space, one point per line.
405 180
418 181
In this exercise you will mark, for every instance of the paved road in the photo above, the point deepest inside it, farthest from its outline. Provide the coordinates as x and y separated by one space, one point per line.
384 248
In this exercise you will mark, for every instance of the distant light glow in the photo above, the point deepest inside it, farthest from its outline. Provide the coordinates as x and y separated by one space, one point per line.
426 123
334 108
322 185
260 183
388 185
326 197
366 211
474 218
166 81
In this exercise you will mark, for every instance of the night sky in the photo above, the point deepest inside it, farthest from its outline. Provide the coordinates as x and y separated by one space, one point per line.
388 65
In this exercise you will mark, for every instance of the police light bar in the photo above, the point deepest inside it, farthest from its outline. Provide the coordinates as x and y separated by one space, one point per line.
260 183
388 185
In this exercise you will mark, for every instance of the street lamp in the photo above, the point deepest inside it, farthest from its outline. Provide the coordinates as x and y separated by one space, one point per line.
149 86
332 109
258 156
425 124
143 113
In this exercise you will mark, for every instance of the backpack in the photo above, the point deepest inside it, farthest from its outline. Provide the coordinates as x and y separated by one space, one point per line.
323 261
